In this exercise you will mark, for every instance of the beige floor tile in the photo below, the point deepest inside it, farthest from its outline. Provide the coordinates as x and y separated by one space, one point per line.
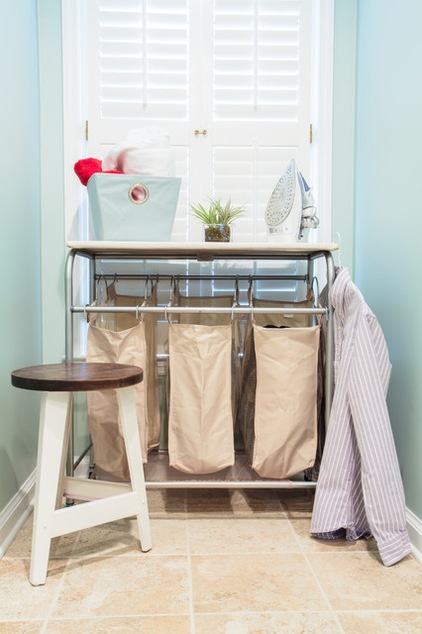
122 625
122 538
169 537
301 528
359 581
61 547
256 583
241 535
18 598
165 502
21 627
275 623
231 502
297 502
110 586
382 622
21 545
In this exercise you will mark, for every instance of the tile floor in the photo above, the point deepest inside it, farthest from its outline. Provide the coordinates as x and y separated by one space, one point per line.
223 562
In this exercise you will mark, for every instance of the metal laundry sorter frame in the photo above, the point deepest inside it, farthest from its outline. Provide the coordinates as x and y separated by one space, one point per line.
158 474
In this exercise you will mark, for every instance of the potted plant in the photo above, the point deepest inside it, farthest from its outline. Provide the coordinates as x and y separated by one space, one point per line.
217 219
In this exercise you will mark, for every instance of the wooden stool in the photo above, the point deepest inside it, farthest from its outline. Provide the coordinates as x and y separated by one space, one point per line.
108 501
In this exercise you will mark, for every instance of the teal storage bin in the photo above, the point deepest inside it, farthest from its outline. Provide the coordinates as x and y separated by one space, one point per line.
133 207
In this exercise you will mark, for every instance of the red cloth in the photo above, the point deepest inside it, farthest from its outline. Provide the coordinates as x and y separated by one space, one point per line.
86 167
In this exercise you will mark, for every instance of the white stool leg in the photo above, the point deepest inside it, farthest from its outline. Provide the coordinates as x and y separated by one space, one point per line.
126 398
65 455
51 447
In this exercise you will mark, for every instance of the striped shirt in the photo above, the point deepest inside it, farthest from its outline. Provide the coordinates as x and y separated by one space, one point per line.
359 491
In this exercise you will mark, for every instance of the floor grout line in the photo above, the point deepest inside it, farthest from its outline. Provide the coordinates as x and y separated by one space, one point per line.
315 576
324 594
190 580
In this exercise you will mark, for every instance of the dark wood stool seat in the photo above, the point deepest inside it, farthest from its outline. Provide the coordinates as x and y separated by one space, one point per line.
102 501
76 377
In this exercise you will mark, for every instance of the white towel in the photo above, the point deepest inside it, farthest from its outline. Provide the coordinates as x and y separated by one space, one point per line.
144 151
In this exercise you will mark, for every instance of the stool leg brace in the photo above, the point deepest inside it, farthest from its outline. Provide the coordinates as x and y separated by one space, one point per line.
108 501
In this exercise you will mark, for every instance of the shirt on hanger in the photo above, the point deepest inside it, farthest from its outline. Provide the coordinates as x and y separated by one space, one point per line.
359 491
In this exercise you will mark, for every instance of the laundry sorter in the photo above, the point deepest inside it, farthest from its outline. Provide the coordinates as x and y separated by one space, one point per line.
190 277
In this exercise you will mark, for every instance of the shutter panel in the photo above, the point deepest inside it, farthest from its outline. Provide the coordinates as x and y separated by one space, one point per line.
143 59
138 74
261 100
257 60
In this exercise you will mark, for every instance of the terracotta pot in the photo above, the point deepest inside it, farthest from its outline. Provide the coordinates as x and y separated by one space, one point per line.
217 233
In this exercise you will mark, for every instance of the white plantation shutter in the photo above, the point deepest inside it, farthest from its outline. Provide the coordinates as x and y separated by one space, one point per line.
261 100
257 57
238 69
139 60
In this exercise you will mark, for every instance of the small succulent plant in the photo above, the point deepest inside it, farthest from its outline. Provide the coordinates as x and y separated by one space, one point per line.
217 213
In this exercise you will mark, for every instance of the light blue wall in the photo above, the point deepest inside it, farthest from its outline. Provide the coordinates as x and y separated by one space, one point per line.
32 221
52 179
344 86
20 314
389 208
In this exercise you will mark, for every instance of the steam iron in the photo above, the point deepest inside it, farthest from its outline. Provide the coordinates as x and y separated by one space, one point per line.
309 218
291 208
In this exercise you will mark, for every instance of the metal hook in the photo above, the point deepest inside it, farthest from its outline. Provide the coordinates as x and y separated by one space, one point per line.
236 290
146 287
339 249
315 283
250 290
171 291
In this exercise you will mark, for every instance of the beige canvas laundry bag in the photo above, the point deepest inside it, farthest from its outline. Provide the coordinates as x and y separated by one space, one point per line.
218 319
200 410
278 405
287 319
150 367
126 343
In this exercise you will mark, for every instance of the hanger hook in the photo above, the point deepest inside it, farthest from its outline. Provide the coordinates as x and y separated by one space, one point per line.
146 287
250 291
339 248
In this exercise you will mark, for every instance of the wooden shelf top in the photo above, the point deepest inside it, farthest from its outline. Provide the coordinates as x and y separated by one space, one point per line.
203 250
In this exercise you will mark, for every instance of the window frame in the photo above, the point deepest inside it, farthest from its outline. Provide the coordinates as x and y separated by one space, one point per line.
75 107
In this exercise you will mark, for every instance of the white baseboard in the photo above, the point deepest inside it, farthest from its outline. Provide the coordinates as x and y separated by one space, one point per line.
15 513
414 528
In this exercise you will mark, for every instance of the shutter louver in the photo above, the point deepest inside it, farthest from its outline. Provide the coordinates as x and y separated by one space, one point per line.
256 60
143 59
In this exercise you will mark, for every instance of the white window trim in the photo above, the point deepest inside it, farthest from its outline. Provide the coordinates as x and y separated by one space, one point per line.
323 117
